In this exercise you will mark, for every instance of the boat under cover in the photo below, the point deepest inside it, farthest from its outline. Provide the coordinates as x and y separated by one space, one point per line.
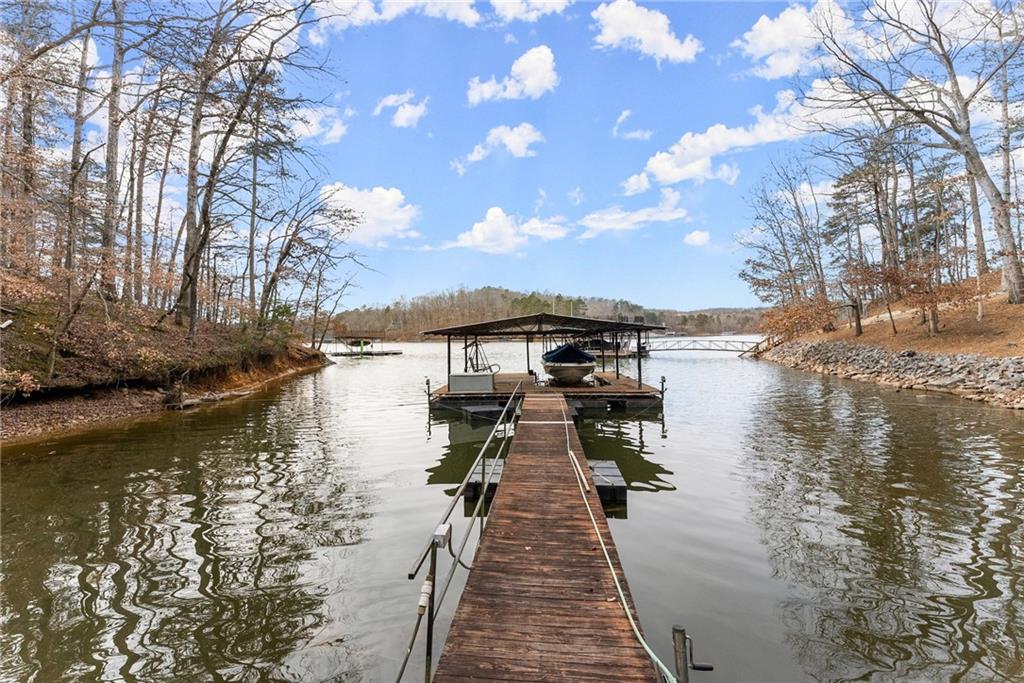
568 364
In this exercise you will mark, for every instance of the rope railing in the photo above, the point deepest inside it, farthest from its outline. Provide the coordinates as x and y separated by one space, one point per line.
664 673
442 538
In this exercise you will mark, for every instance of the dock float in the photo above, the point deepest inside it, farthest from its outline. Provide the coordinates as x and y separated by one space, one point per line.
540 602
611 486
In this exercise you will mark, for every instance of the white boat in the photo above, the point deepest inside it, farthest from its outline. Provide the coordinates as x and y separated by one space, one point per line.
568 364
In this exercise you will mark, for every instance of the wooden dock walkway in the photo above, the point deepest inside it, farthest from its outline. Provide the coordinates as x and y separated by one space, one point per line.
540 603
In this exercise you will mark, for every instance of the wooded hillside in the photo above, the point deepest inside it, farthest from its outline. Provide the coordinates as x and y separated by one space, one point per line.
406 318
911 190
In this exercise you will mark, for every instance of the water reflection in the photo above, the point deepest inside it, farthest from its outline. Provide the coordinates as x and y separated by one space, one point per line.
617 439
206 564
898 529
803 528
622 440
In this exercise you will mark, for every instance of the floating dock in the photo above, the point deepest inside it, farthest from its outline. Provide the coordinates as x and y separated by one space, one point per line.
540 602
365 354
607 391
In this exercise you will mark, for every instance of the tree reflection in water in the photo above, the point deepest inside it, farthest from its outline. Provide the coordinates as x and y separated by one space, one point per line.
897 527
206 563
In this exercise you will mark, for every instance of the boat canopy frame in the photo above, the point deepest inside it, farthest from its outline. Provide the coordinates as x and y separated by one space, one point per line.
545 326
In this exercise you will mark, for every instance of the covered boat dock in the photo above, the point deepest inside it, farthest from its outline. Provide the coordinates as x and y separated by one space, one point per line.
480 383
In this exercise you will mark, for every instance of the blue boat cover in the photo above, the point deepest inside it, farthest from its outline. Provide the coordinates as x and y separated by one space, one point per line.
567 353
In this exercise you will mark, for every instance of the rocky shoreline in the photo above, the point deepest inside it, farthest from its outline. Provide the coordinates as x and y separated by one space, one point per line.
999 381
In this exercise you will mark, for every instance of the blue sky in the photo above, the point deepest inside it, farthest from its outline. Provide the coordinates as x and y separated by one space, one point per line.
551 214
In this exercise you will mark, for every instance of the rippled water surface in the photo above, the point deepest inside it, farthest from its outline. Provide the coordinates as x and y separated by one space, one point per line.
800 527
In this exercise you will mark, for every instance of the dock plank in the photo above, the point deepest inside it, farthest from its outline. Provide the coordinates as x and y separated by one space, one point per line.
540 603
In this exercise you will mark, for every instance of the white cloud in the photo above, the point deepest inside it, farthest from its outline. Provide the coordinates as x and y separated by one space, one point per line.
339 15
500 233
393 100
692 157
697 238
336 131
787 45
576 196
516 142
532 75
542 198
407 113
626 25
384 211
553 228
637 134
497 233
527 10
635 184
323 122
510 39
615 218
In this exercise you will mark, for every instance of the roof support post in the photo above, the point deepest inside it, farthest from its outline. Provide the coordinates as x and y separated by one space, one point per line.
615 341
528 354
465 354
603 353
449 337
639 362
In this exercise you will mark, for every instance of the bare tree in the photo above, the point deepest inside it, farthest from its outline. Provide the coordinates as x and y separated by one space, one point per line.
926 60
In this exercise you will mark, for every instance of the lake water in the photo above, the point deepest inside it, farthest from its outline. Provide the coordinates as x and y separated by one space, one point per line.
801 528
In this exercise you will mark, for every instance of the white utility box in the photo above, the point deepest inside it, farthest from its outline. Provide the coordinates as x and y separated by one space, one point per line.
471 382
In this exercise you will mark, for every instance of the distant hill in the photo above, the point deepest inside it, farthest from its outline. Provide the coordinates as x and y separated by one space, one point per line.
406 318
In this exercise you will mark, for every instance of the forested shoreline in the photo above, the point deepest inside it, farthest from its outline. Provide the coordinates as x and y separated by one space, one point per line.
407 318
153 158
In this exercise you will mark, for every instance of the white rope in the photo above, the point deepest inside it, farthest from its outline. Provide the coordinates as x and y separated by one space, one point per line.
584 486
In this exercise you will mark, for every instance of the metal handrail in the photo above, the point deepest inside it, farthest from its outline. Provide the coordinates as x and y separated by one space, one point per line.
418 563
442 538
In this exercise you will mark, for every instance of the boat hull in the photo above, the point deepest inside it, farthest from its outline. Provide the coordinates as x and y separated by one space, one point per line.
569 373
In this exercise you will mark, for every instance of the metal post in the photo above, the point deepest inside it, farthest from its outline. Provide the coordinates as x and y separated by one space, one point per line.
615 340
431 576
603 353
682 648
449 357
639 363
527 354
679 649
465 353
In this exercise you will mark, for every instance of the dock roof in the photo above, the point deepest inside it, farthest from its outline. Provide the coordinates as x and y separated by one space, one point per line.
541 324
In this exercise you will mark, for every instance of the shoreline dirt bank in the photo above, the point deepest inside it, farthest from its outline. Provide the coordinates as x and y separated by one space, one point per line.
998 381
47 417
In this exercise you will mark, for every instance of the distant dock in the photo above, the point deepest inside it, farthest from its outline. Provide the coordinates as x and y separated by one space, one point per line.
361 345
366 353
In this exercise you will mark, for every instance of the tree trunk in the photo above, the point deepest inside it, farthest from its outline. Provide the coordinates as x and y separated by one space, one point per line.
1001 220
147 132
108 234
154 249
253 205
76 159
980 257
